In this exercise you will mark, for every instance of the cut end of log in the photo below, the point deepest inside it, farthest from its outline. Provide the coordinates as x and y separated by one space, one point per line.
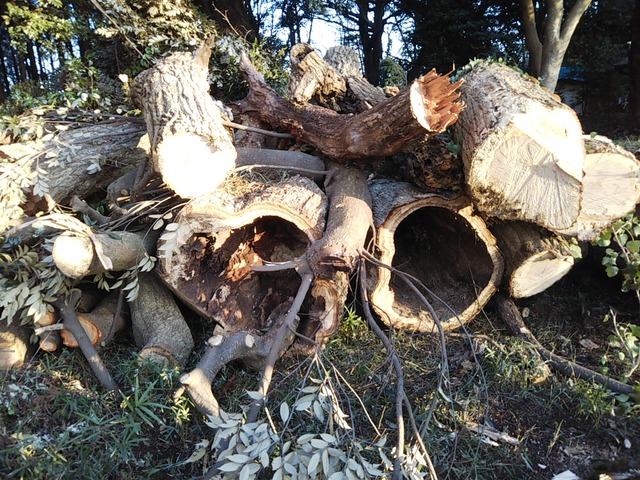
538 273
73 254
201 168
434 101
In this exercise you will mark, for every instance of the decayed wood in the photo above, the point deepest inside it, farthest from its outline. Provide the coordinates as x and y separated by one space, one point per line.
334 257
14 344
610 188
443 244
220 236
522 149
190 147
103 320
428 106
159 328
78 255
534 258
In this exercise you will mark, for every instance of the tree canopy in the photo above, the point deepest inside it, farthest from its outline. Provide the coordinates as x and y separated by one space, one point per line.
41 39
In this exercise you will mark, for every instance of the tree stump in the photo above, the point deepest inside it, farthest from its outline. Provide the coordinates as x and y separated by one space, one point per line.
440 242
522 148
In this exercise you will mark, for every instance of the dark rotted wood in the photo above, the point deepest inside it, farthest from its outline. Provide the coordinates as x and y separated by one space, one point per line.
428 106
442 243
190 147
220 236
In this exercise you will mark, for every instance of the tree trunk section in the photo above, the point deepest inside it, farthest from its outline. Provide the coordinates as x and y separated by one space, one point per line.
522 149
159 328
610 188
190 147
441 243
14 344
428 106
220 236
534 258
100 324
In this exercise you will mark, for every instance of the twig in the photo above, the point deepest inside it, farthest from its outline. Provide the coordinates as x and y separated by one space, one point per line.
401 396
269 133
66 306
509 313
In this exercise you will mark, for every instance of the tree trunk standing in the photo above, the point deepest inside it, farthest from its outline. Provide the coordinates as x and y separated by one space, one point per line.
190 147
547 53
634 65
522 149
233 16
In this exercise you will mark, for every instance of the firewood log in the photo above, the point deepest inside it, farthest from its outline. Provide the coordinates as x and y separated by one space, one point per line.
190 147
534 258
14 344
99 323
522 148
440 242
159 328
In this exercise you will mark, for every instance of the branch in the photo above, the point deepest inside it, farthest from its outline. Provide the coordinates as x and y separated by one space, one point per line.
66 306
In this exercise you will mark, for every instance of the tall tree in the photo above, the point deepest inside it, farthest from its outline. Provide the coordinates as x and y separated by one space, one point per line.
548 32
634 64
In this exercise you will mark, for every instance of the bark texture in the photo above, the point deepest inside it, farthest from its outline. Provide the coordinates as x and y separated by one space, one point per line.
190 147
522 149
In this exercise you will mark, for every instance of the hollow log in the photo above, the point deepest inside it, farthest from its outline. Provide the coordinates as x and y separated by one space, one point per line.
334 257
14 344
522 148
428 106
190 147
100 324
440 242
78 255
159 328
610 188
534 258
208 260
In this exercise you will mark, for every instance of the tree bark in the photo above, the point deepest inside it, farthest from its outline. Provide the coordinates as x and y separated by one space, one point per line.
522 149
159 328
634 65
100 324
428 106
443 245
535 259
190 147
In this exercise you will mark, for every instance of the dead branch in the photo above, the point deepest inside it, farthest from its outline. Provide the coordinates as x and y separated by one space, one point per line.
511 316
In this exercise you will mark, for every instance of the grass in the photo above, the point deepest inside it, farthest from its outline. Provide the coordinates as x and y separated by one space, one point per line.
56 422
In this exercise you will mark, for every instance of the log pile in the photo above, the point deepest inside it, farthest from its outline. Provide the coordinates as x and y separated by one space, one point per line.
259 255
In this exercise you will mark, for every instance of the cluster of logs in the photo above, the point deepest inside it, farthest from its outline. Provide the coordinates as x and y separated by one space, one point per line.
502 200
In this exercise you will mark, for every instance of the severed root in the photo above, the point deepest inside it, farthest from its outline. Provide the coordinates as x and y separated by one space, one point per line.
509 313
66 306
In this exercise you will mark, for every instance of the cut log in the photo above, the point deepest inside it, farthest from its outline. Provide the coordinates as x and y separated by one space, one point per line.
522 149
534 258
610 188
220 236
100 324
76 162
77 255
50 341
334 257
190 147
440 242
428 106
159 328
14 344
